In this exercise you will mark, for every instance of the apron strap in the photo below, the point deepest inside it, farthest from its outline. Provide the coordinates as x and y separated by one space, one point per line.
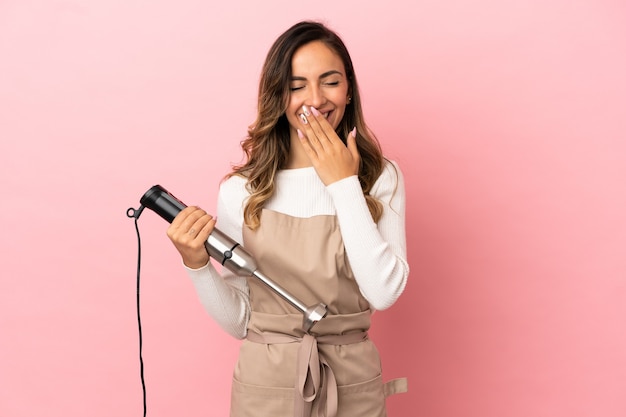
396 386
314 377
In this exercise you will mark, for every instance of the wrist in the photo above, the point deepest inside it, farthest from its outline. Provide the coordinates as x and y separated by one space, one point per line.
196 263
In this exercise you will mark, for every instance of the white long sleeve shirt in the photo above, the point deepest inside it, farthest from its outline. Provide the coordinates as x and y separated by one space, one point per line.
376 251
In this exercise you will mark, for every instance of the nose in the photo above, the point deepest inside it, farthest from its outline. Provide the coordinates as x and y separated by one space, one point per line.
316 97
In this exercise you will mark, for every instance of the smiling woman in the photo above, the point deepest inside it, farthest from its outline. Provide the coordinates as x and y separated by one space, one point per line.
319 87
322 212
319 81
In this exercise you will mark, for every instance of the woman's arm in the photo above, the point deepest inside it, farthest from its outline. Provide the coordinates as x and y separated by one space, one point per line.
377 252
225 296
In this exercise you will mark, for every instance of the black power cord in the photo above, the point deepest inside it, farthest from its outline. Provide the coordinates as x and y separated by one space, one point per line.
132 213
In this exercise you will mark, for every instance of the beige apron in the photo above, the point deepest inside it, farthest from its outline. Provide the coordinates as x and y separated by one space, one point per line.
282 372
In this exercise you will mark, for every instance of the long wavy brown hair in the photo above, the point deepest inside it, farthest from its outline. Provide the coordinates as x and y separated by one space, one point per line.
267 146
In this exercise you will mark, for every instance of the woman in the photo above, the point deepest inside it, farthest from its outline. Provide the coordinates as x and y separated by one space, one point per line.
322 212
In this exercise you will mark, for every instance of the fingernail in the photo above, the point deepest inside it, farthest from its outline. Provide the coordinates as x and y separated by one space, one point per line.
300 134
315 112
305 109
303 118
353 133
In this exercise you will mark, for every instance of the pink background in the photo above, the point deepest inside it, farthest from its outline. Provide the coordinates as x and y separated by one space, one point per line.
508 119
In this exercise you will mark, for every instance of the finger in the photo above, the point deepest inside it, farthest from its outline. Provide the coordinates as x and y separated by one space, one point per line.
182 216
351 143
324 132
316 128
310 134
204 227
182 228
307 146
188 223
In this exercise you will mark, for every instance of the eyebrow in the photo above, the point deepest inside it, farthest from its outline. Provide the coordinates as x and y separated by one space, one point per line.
324 75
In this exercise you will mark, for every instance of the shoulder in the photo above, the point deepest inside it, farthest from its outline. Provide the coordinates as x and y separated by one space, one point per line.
230 204
234 184
233 189
390 184
390 177
391 170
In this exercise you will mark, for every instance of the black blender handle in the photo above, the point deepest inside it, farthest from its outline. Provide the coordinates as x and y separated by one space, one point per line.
159 200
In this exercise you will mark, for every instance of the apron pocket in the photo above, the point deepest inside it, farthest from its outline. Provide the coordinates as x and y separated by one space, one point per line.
259 401
362 399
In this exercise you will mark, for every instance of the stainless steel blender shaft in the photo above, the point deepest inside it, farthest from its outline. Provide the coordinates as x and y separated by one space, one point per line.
235 258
